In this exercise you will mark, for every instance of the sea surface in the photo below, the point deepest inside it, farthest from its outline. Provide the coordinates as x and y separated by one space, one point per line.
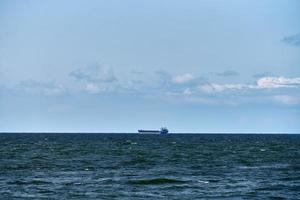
132 166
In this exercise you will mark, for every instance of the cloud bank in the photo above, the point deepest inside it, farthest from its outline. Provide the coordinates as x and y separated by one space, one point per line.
100 79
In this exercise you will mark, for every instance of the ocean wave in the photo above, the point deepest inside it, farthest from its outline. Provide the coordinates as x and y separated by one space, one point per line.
272 166
30 182
155 181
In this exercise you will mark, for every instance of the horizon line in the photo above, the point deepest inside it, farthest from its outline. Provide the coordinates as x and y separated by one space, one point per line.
179 133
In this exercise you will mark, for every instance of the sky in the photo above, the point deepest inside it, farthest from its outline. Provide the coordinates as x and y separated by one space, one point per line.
194 66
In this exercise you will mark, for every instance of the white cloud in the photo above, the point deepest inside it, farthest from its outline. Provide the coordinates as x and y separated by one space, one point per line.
45 88
92 88
262 83
277 82
212 88
96 88
55 90
94 73
96 78
187 91
184 78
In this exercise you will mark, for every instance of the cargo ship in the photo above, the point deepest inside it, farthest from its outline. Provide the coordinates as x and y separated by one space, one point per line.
163 130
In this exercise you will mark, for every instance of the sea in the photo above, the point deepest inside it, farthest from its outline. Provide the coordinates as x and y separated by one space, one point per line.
142 166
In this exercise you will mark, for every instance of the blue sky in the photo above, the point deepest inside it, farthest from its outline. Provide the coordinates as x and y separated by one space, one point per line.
117 66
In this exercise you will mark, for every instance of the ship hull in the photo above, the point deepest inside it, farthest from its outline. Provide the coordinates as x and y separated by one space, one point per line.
149 131
152 132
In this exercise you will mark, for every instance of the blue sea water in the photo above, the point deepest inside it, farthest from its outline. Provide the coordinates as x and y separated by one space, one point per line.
132 166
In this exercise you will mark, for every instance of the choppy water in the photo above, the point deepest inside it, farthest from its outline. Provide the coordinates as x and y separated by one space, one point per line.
131 166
